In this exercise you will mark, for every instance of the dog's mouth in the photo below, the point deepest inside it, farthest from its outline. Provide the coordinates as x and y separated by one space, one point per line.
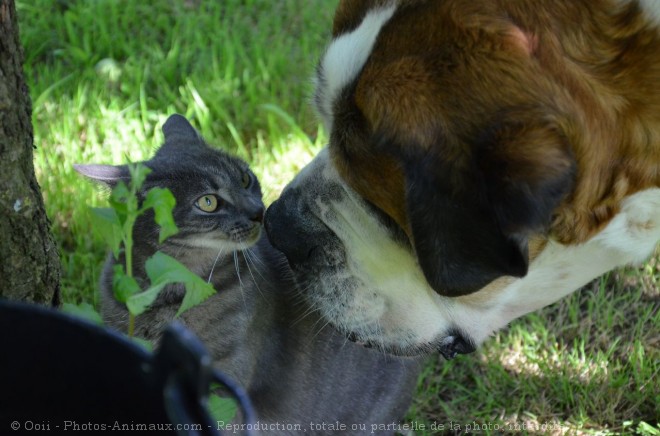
454 344
449 346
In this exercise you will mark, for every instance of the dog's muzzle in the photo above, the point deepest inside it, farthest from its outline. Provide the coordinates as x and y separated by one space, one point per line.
296 238
278 226
351 266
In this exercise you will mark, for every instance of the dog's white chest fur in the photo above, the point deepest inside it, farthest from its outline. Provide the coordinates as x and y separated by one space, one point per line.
629 238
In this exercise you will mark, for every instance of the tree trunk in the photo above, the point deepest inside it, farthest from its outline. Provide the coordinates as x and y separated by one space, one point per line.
29 262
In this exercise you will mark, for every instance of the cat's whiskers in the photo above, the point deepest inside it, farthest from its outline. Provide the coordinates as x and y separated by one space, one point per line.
309 311
237 267
304 292
153 232
320 330
178 250
240 281
247 263
256 260
298 299
151 238
298 292
250 257
215 262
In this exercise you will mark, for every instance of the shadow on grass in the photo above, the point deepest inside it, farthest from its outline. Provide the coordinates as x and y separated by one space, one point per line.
588 364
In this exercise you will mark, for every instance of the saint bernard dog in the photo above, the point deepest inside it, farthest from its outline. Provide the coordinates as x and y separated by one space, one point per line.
485 159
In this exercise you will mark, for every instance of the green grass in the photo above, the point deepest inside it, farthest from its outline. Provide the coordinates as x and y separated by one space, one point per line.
586 365
104 75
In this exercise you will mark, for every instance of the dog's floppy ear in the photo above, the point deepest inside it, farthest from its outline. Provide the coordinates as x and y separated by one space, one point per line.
470 225
459 244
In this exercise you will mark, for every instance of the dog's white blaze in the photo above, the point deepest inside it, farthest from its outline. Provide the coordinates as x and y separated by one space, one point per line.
345 57
650 7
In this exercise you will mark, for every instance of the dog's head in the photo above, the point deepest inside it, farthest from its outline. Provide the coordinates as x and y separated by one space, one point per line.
449 149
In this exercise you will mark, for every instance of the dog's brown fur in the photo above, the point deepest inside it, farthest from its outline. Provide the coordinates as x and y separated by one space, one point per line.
545 84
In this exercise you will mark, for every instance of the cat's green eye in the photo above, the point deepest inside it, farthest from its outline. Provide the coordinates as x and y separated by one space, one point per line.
207 203
246 180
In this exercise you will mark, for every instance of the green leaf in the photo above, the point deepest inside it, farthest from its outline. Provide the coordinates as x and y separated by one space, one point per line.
647 429
84 311
162 201
123 286
196 293
162 268
120 192
119 199
139 173
222 409
106 224
138 303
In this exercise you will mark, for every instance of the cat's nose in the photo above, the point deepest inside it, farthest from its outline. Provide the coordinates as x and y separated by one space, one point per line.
251 208
258 215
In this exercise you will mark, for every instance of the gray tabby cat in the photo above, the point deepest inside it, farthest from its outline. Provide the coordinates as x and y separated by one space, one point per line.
255 327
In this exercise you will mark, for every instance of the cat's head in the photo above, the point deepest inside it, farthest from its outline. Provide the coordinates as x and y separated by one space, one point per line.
218 199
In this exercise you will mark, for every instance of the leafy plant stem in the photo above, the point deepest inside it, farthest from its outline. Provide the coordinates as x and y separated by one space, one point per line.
128 255
131 324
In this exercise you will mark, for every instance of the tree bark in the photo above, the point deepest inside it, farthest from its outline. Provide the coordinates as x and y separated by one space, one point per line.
29 262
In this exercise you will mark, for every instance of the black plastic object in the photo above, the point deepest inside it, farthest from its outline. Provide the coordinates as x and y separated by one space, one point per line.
62 374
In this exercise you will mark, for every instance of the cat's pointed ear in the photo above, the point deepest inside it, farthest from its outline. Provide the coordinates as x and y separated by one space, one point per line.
109 175
178 125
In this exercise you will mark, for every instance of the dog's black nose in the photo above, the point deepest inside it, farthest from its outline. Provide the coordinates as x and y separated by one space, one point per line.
274 222
295 230
286 232
455 344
